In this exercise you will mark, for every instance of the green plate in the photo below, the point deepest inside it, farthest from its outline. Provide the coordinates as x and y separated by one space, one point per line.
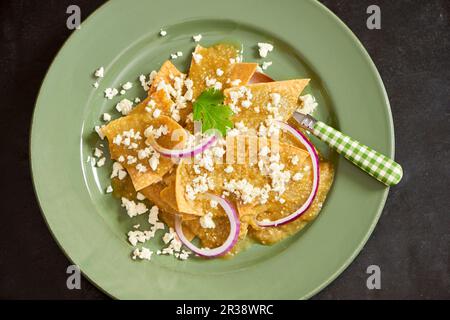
123 36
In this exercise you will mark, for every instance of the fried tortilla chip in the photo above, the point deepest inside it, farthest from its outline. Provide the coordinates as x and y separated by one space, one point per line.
253 104
209 61
162 97
218 64
188 180
126 139
270 235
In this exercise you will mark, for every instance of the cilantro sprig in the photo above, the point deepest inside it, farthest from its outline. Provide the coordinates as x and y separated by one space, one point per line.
210 110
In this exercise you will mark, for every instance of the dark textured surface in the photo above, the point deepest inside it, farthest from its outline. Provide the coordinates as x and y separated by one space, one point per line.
410 243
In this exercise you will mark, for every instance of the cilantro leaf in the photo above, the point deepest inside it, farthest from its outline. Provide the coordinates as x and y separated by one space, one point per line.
210 110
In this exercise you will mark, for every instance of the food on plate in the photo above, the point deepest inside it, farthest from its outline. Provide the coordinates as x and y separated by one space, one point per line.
211 154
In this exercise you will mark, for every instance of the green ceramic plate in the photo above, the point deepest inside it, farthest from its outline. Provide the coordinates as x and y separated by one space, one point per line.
123 36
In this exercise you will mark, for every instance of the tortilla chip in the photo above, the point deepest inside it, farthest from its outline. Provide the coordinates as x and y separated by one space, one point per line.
242 169
241 71
270 235
289 91
162 100
139 123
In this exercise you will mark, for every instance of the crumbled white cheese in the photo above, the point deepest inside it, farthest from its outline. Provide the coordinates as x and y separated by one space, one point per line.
140 196
197 57
124 106
153 215
96 84
264 49
219 72
101 162
111 93
266 64
235 82
298 176
213 203
122 92
143 254
173 56
229 169
137 100
118 171
163 33
156 113
141 168
134 209
100 72
179 53
295 160
127 86
98 153
106 117
309 104
197 37
109 189
207 222
99 131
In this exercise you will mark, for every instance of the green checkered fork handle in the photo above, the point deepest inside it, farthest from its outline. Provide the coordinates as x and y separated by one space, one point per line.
374 163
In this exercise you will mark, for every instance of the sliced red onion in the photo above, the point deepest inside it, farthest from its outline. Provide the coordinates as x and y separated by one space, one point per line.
229 242
183 153
315 163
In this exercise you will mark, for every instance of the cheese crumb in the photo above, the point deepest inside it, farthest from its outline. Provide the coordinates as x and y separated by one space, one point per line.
124 106
109 189
98 153
266 64
264 49
228 169
156 113
298 176
134 208
101 162
143 254
100 72
96 84
106 117
197 57
219 72
99 131
111 93
127 86
163 33
197 37
118 171
309 104
207 222
140 196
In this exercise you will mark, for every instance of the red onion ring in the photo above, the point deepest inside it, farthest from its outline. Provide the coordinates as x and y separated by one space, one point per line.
315 163
229 242
183 153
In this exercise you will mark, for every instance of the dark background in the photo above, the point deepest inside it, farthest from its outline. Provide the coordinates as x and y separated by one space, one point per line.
412 239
